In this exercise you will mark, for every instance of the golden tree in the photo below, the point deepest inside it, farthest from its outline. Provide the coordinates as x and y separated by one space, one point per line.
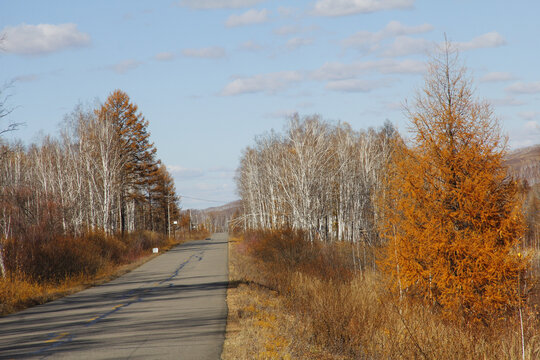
452 216
137 152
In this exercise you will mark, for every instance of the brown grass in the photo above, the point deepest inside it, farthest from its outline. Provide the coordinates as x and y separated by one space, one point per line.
112 256
322 317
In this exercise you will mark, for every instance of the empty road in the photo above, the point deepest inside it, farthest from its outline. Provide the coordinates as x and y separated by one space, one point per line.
172 307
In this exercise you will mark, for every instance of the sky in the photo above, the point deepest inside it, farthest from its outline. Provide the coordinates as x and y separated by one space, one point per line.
211 75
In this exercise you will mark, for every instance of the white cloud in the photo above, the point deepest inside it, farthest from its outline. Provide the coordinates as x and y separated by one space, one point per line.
287 30
506 101
251 46
496 77
367 39
404 45
529 115
27 78
488 40
287 11
249 17
164 56
268 83
532 125
218 4
124 66
42 39
298 42
395 28
524 87
349 7
338 71
354 85
183 172
340 76
527 135
281 114
205 53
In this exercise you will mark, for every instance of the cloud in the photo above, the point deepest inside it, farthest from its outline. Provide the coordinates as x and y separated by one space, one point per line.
287 30
286 11
496 77
218 4
339 71
251 46
27 78
354 85
488 40
532 125
527 135
395 28
124 66
506 101
404 45
370 40
333 73
42 39
524 87
221 173
529 115
186 173
298 42
267 83
350 7
280 114
205 53
249 17
164 56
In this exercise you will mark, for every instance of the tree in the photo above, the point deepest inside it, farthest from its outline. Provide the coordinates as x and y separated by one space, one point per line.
452 217
137 153
163 201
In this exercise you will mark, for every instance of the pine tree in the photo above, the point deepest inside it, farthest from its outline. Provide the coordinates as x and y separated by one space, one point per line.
137 152
164 201
452 217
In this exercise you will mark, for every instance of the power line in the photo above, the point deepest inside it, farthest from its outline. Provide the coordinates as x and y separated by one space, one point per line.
195 198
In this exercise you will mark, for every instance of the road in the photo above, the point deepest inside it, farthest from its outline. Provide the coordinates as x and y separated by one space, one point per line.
172 307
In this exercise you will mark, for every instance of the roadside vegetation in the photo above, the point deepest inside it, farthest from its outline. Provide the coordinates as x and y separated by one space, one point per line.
365 245
81 207
291 299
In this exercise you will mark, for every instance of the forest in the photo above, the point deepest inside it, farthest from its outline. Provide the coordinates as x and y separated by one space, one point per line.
386 246
79 204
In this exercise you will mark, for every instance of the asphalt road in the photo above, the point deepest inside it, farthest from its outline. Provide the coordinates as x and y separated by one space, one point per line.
172 307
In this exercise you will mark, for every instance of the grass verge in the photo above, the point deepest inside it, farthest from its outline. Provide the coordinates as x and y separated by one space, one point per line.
291 303
20 291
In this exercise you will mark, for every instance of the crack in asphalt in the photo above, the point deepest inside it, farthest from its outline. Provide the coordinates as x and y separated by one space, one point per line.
60 338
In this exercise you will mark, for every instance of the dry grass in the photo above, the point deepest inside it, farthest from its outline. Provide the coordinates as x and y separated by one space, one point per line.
279 312
257 325
19 291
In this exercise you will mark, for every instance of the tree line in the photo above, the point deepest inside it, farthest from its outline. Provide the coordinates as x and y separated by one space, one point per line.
441 208
100 174
317 177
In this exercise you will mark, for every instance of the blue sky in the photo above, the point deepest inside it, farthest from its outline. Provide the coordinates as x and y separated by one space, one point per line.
210 75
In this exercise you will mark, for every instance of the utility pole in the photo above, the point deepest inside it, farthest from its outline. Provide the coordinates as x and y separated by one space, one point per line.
168 219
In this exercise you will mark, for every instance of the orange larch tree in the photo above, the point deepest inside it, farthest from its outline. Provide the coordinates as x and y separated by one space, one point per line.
452 216
137 152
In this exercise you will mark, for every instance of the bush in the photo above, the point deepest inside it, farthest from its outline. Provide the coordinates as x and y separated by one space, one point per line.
109 247
41 257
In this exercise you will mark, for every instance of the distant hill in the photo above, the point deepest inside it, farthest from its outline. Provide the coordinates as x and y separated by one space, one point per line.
216 218
524 163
